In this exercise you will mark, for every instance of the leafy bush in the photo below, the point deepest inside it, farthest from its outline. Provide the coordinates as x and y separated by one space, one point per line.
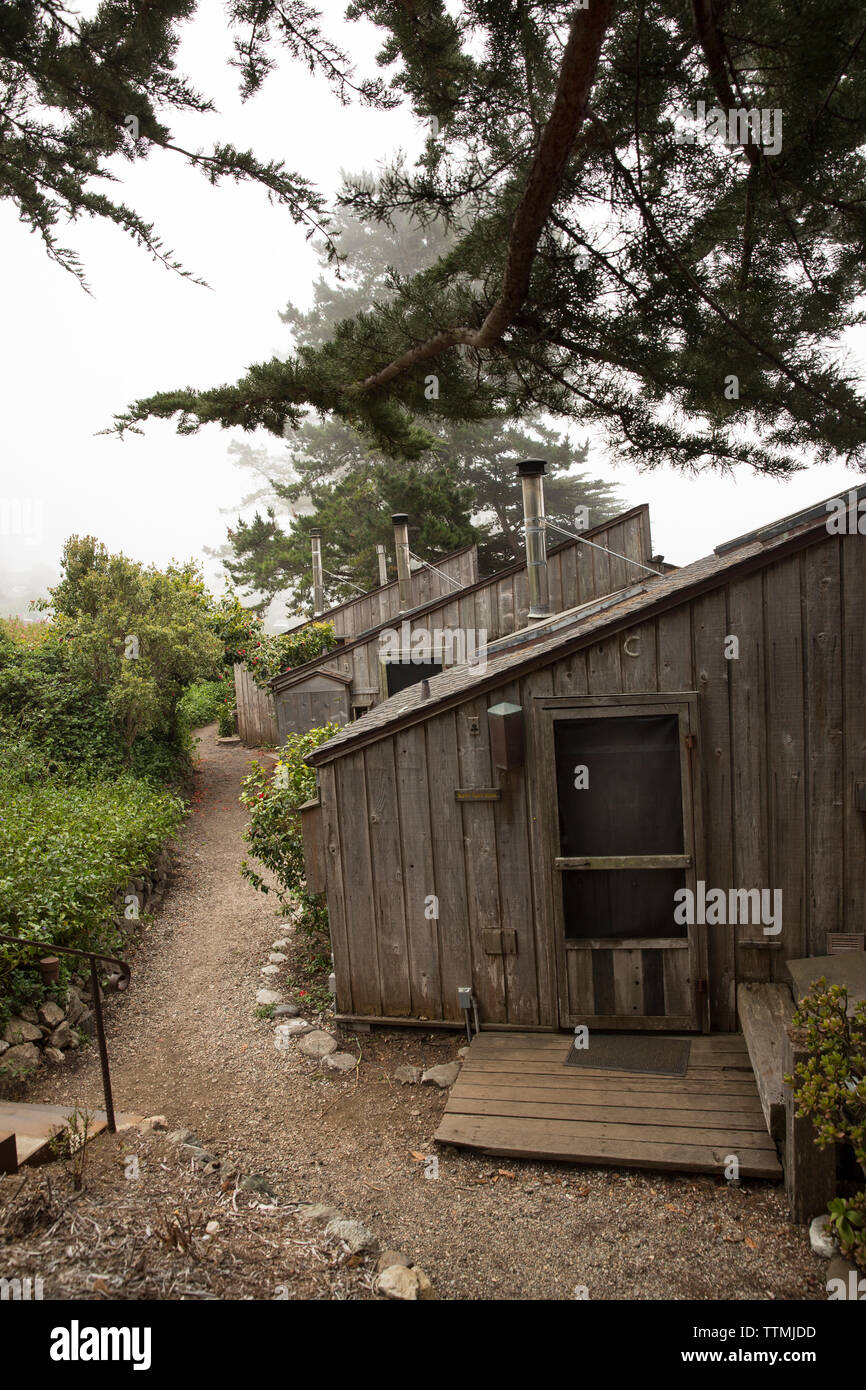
276 840
274 833
201 703
830 1088
65 849
226 717
272 654
138 634
848 1224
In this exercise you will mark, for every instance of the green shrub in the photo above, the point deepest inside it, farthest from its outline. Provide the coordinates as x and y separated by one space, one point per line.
268 655
64 851
830 1088
274 833
848 1224
276 840
201 703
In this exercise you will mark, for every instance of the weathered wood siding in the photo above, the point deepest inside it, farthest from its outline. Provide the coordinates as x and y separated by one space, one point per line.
257 716
311 704
500 605
356 615
781 743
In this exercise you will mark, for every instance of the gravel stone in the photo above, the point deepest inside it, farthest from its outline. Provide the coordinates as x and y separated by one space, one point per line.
408 1285
340 1062
269 996
442 1076
355 1234
316 1044
319 1214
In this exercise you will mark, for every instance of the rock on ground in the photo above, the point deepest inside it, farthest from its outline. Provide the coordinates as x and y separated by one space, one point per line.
50 1013
355 1234
63 1036
22 1057
408 1285
408 1076
340 1061
268 996
18 1030
316 1044
442 1076
820 1239
318 1214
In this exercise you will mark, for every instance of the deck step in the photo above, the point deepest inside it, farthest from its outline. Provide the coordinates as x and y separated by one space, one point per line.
26 1131
515 1097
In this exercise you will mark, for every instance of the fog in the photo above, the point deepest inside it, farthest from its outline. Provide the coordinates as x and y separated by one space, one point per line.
70 360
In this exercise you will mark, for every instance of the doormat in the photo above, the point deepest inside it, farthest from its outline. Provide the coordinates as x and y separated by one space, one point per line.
620 1052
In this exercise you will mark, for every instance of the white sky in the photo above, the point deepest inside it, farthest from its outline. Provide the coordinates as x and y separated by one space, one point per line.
68 362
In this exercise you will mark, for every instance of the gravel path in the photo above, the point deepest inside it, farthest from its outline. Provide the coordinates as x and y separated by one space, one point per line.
185 1043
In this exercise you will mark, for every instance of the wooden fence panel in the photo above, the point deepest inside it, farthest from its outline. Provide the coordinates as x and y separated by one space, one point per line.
257 715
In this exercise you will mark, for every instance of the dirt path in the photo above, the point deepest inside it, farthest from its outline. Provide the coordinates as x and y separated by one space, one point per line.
185 1042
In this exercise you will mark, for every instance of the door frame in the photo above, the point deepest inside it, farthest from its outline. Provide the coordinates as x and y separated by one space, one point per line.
547 711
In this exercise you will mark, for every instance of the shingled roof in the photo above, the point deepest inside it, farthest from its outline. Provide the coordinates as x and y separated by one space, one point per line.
530 647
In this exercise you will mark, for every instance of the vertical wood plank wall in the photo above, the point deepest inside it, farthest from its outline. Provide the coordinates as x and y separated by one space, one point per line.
257 715
500 605
781 744
368 610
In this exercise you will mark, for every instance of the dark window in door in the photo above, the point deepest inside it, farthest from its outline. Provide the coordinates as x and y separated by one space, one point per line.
619 793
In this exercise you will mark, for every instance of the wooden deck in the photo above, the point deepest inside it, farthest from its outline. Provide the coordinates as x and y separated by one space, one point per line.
515 1096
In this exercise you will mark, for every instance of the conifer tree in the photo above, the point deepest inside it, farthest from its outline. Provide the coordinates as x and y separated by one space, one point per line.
660 217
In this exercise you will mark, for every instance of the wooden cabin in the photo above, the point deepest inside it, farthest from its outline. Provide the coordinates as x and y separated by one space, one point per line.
719 713
496 606
324 698
545 838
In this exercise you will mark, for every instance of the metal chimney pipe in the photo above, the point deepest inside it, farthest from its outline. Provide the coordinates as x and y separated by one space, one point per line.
383 564
318 584
531 475
401 546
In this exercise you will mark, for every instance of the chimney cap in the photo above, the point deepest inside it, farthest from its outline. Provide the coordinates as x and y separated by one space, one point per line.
400 518
314 531
532 468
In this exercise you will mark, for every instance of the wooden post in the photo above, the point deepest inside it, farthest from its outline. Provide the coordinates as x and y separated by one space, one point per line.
810 1172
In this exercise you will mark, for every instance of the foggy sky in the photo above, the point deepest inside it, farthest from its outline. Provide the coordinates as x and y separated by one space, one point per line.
70 361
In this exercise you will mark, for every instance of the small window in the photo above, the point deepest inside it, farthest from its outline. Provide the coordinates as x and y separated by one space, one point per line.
399 675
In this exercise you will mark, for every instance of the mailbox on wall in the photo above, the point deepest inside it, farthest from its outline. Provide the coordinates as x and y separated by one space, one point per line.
506 736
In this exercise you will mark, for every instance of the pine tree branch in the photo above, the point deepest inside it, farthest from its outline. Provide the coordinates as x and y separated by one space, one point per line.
543 184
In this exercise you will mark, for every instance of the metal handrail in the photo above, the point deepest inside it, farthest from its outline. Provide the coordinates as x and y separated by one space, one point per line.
123 981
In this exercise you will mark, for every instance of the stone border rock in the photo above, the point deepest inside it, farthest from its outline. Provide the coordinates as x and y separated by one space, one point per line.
396 1276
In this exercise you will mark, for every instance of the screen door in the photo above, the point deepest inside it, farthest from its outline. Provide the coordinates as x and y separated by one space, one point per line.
621 843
